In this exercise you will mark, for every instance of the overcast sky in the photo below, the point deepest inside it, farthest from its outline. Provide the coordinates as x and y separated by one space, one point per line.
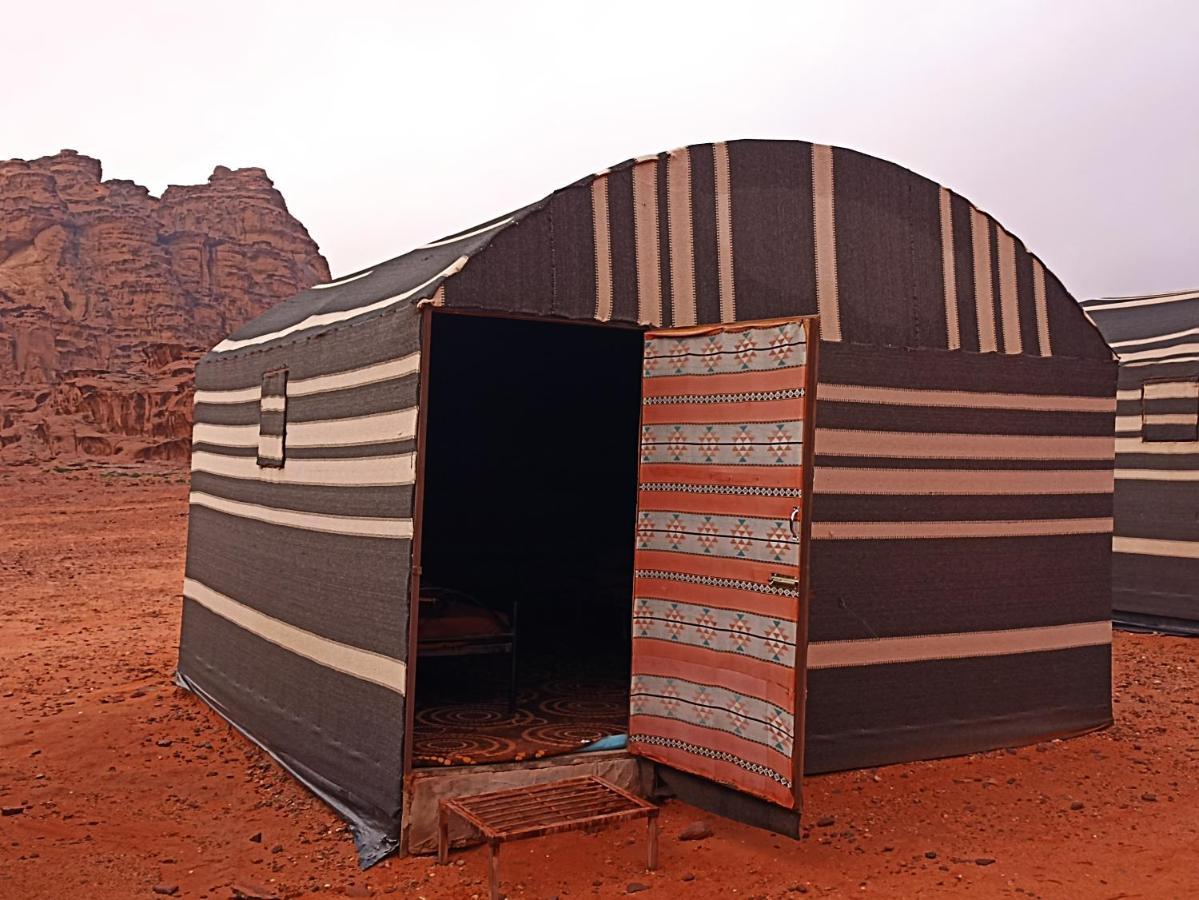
1075 122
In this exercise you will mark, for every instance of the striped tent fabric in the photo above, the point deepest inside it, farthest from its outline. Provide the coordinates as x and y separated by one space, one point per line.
1155 579
964 415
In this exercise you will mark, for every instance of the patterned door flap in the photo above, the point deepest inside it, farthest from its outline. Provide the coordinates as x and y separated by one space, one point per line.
719 610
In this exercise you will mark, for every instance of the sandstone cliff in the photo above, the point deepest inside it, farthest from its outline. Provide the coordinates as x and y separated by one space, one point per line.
108 295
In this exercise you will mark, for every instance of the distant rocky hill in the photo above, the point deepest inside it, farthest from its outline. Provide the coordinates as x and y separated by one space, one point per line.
108 295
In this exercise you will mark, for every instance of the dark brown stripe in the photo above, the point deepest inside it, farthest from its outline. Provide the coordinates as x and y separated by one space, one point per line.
881 714
387 336
951 508
703 211
963 255
960 464
383 396
574 273
624 245
772 223
922 419
946 370
289 574
374 501
664 260
334 732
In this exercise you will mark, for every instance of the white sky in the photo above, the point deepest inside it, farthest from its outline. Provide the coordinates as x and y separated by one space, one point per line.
385 125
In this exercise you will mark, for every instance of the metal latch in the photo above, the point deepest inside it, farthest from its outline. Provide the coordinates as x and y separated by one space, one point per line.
783 581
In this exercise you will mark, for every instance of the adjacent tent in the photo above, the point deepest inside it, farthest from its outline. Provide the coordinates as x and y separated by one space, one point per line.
906 522
1155 580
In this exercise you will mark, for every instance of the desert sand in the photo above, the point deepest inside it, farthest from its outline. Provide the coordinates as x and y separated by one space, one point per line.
116 784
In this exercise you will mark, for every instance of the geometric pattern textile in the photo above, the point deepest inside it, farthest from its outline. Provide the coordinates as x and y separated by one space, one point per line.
717 604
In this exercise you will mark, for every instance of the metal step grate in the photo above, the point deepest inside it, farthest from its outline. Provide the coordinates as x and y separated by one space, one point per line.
569 805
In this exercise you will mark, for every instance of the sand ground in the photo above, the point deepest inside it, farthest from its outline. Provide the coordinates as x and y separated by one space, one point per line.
114 782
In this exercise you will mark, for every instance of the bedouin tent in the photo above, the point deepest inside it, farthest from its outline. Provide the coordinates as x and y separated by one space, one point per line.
906 520
1155 577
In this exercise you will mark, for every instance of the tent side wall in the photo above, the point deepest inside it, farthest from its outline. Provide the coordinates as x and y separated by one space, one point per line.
295 619
1155 577
961 550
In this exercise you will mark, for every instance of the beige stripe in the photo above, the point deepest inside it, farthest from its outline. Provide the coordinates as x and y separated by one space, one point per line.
273 404
364 664
340 281
319 384
828 303
1009 305
984 482
1158 352
1162 362
1128 424
724 231
390 426
384 371
270 446
1171 390
949 272
1170 418
1038 297
321 319
1186 332
603 248
902 531
361 526
1143 301
1129 394
984 298
1157 475
835 442
373 470
919 648
1156 547
1136 445
469 234
852 393
649 248
681 237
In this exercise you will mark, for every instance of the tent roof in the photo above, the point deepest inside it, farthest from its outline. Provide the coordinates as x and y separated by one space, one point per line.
1151 329
412 277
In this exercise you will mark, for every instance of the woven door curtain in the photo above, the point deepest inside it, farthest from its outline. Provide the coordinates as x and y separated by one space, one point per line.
719 609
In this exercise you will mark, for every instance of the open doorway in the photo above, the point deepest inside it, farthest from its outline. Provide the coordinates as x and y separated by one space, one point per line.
530 494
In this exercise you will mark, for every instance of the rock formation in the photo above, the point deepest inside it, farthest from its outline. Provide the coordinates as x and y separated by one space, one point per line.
108 295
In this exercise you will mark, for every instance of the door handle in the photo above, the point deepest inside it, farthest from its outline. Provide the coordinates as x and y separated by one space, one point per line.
793 520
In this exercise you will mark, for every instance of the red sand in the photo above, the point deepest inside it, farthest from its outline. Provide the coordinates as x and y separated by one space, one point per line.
127 783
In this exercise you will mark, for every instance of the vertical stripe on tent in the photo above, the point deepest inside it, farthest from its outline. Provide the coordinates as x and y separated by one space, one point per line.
1038 295
603 248
621 227
1028 312
984 298
826 242
724 231
1008 302
948 272
665 263
703 221
963 264
645 228
681 237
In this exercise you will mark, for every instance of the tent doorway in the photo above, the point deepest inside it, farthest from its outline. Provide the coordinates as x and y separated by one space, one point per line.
526 548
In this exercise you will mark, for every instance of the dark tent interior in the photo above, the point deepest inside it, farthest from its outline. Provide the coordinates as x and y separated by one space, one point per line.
527 538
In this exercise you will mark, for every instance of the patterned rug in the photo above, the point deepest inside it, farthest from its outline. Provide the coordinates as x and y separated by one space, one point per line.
462 715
